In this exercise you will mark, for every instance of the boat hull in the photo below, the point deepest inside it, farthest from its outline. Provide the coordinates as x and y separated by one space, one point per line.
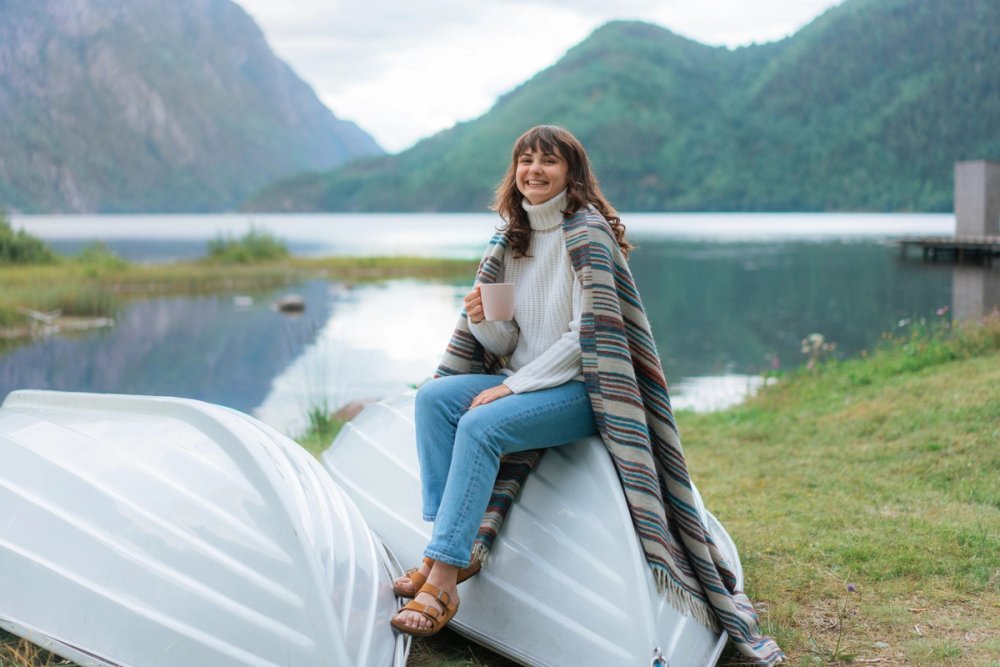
157 531
566 581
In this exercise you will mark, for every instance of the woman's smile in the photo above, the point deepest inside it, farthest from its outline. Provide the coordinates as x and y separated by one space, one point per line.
540 176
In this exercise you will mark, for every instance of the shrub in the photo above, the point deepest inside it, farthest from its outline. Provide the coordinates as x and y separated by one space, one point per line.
99 256
19 247
254 246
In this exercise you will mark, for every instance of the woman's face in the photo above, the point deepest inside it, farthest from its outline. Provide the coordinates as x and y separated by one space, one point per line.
540 176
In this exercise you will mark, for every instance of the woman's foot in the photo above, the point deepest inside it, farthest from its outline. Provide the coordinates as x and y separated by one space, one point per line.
407 585
443 578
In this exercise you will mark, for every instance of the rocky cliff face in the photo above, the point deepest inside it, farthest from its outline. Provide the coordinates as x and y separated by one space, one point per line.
151 105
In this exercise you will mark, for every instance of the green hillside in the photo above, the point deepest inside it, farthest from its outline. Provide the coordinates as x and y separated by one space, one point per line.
151 105
866 108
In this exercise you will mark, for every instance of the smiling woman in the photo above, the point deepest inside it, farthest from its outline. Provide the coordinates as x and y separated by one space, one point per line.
575 361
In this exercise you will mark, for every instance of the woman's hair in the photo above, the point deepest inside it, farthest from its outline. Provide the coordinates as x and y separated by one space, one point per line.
581 187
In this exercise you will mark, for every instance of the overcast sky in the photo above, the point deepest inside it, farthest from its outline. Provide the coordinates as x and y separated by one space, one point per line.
405 69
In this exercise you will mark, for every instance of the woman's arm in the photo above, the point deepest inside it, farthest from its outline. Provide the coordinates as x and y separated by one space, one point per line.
558 364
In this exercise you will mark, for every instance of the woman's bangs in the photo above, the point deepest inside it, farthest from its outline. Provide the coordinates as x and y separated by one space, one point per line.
539 139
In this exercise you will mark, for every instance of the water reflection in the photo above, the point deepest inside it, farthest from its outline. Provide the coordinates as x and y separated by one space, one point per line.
205 347
724 309
713 392
722 313
380 340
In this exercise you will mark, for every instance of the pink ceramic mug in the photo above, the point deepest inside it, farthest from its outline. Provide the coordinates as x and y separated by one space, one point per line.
498 301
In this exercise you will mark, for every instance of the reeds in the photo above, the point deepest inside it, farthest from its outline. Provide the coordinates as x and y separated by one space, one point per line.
93 287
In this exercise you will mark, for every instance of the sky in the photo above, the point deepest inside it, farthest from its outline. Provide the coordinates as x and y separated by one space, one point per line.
406 69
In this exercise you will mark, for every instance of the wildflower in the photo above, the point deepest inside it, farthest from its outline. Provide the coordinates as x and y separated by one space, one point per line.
942 311
843 615
815 346
812 343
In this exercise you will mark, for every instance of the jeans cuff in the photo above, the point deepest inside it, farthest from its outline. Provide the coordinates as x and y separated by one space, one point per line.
446 559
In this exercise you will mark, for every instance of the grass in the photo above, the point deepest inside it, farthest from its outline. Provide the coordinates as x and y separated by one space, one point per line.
17 652
449 649
880 472
323 428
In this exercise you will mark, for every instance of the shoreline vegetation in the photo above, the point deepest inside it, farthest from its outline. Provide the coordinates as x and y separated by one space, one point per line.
45 293
862 493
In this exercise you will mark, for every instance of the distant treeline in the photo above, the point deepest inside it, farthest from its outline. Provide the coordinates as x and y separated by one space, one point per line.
866 108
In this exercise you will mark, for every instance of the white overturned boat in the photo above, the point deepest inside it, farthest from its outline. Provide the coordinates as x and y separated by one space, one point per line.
566 582
153 531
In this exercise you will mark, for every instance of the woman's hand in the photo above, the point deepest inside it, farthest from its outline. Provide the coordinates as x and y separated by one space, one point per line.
474 306
490 395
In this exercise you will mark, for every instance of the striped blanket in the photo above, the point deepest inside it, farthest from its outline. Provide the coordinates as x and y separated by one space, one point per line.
631 406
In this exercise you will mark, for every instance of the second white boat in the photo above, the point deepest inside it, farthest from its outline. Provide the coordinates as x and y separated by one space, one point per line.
566 582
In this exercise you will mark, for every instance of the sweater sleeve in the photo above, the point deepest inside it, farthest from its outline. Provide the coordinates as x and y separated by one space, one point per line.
560 363
499 337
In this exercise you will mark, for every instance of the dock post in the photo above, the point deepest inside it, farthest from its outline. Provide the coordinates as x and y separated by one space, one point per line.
977 198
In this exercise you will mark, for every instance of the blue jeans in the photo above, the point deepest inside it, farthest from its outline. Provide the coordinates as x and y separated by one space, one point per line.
459 449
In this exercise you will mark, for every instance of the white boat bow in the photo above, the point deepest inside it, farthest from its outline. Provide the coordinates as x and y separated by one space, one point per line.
566 582
155 531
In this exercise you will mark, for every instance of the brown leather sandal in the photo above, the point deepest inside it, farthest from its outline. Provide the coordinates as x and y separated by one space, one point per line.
438 617
416 580
419 580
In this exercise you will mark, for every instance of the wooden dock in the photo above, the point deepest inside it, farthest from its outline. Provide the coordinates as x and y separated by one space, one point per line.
957 248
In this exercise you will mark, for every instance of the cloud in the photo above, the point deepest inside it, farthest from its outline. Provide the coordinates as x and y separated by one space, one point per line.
403 70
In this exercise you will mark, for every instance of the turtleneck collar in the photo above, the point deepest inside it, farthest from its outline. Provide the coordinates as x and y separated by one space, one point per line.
547 215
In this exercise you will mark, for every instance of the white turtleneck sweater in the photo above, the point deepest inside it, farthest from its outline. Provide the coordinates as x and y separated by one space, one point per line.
543 339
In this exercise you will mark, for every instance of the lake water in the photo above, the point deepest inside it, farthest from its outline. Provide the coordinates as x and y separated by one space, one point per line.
729 296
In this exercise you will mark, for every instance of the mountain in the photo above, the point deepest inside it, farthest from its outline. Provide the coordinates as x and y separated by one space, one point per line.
865 108
151 105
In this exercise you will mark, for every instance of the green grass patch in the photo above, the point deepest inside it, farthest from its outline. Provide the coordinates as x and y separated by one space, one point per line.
323 428
880 471
253 247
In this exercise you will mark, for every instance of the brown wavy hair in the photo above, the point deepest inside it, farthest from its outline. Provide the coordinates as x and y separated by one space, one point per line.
581 187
